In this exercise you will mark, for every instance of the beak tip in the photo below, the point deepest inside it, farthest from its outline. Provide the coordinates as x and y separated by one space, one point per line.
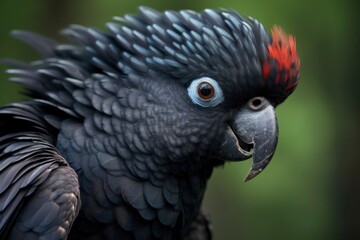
252 174
258 166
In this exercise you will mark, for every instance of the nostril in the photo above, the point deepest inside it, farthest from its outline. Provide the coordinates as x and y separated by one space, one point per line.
256 103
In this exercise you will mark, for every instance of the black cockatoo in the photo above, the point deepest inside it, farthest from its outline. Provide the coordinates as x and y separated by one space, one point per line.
126 125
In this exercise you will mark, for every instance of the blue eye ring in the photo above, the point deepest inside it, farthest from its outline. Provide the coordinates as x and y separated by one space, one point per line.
205 92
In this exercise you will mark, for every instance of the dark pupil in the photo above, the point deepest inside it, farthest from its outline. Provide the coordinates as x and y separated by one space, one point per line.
205 90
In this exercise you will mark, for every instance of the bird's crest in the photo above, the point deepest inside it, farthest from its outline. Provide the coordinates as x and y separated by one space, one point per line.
282 53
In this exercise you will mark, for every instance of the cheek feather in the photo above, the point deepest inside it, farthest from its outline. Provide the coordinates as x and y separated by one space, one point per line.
282 51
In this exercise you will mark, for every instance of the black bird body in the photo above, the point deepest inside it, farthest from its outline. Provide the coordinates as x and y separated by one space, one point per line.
116 144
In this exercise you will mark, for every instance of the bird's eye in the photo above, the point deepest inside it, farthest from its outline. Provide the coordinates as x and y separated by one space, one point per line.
205 92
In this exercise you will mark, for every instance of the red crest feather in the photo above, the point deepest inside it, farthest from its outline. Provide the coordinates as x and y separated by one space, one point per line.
283 50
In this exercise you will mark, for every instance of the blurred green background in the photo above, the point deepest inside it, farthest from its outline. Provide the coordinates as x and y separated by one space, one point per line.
311 188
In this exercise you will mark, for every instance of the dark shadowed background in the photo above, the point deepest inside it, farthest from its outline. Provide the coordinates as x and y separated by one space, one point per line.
311 188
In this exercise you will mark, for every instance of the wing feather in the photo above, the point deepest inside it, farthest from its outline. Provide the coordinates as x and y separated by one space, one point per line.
31 170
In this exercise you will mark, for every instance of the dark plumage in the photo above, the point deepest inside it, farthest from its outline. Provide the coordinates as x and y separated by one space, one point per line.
127 124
